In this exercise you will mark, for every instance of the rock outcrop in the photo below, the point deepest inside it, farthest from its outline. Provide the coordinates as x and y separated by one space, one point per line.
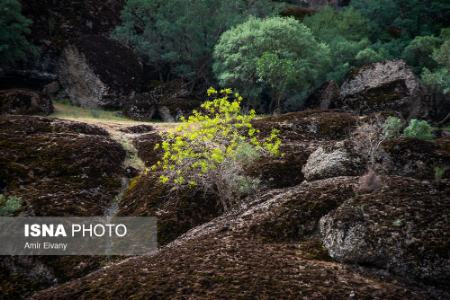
325 97
57 168
177 211
166 101
55 25
302 133
334 161
402 228
383 86
24 102
280 243
416 158
99 72
224 258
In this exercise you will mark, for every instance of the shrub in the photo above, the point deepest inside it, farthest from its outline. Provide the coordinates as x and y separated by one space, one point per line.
368 138
438 79
9 205
210 149
419 51
13 28
392 127
419 129
277 56
369 182
180 35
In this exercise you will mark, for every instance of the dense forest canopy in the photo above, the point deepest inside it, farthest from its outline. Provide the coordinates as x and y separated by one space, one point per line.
198 42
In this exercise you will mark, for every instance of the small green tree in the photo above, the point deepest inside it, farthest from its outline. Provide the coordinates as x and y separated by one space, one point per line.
180 35
277 55
210 149
13 30
419 129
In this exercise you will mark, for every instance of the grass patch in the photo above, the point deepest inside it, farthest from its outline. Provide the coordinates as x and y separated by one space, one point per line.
65 110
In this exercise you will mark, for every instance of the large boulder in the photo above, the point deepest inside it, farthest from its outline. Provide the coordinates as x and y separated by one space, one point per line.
301 134
177 211
417 158
24 102
403 227
56 23
333 161
57 168
310 125
382 86
99 72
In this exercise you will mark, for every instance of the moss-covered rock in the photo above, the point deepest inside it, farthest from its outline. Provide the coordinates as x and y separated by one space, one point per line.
145 145
177 211
404 228
301 133
24 102
294 214
224 258
417 158
58 168
166 101
282 171
310 124
382 86
339 159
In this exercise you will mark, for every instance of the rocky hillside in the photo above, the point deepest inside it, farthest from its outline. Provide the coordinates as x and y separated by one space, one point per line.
310 232
355 206
273 249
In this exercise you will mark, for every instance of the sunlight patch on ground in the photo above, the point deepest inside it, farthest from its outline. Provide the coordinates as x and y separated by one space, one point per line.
103 118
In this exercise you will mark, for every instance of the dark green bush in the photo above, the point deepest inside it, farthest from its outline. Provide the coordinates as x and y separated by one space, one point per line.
419 129
13 30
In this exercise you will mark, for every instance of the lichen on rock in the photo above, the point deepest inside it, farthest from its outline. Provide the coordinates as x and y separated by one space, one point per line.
402 228
99 72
